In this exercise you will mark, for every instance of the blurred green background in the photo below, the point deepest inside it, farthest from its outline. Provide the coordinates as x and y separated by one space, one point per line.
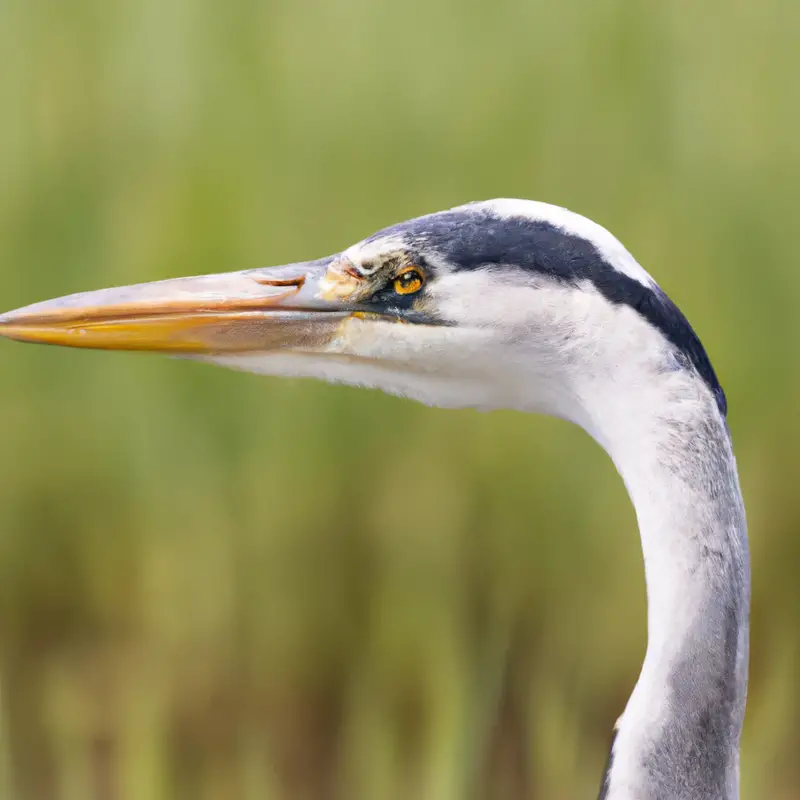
215 585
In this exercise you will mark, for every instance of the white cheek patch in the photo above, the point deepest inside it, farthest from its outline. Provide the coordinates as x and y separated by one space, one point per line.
435 365
488 297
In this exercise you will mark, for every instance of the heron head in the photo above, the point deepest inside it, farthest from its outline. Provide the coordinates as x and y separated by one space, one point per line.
490 304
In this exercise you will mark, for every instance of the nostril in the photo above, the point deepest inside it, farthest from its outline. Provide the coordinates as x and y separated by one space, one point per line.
299 282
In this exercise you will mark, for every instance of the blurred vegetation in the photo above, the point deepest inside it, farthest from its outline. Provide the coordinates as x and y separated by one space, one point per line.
215 585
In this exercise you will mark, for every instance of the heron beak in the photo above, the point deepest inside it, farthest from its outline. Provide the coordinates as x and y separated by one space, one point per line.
255 310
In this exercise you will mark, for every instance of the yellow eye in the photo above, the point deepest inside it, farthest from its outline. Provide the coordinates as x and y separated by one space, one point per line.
409 281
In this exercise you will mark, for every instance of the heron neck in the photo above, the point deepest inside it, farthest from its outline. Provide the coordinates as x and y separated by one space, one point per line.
679 734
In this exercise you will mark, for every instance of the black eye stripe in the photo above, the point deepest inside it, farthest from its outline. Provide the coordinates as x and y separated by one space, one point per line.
468 239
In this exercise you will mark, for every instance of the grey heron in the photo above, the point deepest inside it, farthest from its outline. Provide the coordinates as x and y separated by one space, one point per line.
521 305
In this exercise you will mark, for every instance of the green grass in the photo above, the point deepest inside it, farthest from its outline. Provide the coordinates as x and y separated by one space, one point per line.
215 585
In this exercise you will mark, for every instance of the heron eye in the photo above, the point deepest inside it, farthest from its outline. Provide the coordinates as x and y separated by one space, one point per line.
409 281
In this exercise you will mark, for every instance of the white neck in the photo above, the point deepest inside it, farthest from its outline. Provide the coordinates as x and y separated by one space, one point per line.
679 735
571 354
